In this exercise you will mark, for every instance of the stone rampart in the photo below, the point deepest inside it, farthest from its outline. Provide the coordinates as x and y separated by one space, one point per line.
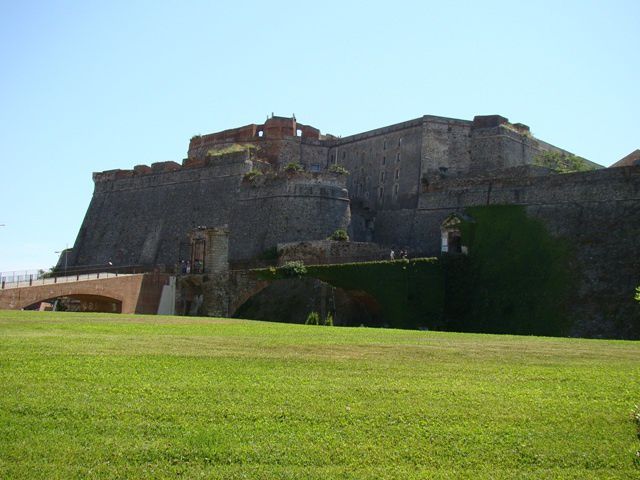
143 219
286 208
597 213
320 252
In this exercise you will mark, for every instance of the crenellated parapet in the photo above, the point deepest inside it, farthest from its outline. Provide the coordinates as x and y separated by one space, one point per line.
222 164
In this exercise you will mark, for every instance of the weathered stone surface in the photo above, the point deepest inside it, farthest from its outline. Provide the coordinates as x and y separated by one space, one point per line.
403 181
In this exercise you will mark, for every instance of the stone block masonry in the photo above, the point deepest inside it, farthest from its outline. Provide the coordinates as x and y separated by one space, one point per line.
403 180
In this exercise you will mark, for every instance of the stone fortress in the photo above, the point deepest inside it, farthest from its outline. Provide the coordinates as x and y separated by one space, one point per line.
245 192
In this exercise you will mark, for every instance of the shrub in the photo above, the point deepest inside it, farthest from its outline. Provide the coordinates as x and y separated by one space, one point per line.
312 319
637 297
294 268
562 162
293 167
339 169
251 175
340 235
328 321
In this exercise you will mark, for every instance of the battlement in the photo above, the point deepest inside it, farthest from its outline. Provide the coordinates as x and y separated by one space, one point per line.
231 158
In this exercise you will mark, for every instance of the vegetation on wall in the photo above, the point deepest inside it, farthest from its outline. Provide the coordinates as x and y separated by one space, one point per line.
233 148
562 162
340 235
410 293
252 175
516 278
293 167
339 169
291 269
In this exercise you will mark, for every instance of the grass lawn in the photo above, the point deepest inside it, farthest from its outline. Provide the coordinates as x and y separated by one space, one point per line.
116 396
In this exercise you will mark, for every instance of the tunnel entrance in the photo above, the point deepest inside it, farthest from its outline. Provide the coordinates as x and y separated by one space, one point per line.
291 301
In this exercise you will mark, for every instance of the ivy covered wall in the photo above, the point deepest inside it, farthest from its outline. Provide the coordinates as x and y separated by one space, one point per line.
516 279
410 293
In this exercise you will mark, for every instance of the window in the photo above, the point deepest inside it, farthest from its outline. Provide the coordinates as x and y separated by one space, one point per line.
398 157
381 176
315 167
395 190
381 193
298 133
399 141
260 133
384 145
343 155
384 160
397 174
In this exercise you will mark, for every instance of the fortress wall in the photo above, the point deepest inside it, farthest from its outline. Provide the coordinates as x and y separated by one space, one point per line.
388 150
144 219
553 198
319 252
597 212
501 147
445 148
286 210
314 153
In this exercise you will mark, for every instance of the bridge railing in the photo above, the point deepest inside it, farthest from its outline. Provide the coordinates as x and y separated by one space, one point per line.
33 279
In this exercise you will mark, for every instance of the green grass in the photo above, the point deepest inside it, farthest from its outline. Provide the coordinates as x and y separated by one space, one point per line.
107 396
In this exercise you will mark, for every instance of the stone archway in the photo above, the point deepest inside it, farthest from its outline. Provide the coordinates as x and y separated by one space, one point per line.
81 303
291 300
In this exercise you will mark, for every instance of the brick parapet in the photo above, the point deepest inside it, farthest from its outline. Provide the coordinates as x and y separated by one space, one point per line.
166 173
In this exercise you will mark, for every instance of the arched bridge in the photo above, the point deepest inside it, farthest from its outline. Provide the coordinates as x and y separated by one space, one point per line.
136 293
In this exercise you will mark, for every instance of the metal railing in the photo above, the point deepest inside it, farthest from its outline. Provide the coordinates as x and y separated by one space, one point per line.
30 280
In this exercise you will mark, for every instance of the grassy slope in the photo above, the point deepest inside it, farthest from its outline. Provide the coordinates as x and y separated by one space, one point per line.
99 396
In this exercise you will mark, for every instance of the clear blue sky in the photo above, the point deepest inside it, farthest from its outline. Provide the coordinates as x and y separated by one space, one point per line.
91 86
